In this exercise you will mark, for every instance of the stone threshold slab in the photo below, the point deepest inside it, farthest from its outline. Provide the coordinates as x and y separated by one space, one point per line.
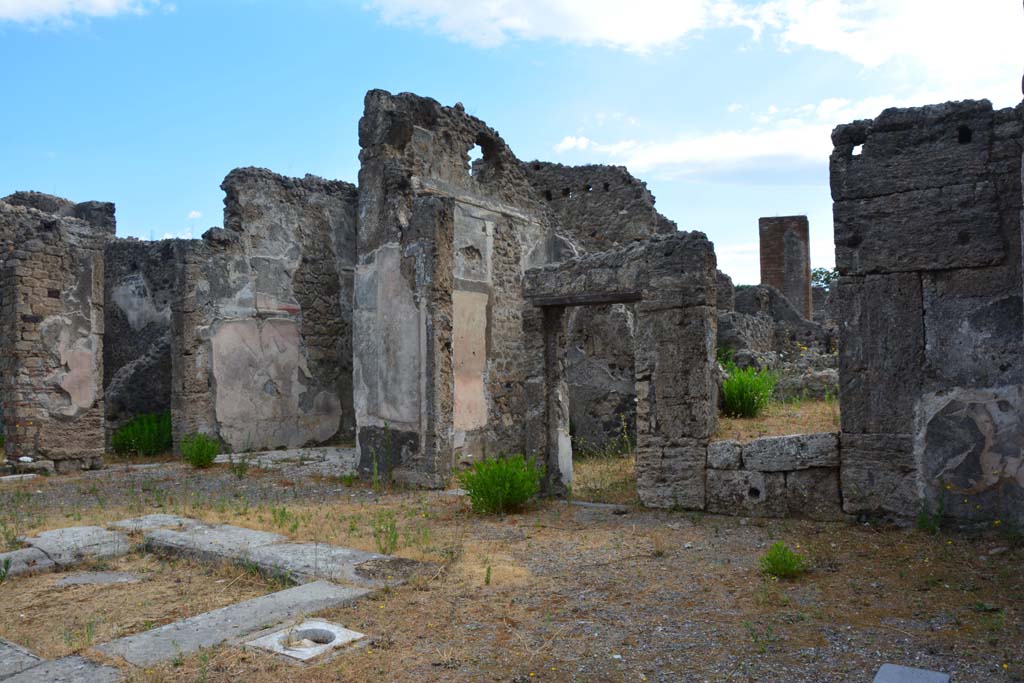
230 623
67 670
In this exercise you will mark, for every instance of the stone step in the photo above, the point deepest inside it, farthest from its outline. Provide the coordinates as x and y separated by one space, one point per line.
230 623
14 659
70 546
67 670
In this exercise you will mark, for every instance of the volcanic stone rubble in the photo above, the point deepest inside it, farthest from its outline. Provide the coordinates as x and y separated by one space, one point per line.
448 309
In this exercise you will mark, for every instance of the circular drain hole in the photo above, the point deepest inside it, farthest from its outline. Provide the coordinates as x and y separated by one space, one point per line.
308 637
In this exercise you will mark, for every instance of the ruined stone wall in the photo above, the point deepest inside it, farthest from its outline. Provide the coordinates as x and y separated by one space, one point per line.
51 335
140 279
260 325
596 208
672 279
448 358
928 246
786 259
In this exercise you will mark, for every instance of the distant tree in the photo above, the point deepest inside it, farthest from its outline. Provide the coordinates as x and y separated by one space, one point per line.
823 277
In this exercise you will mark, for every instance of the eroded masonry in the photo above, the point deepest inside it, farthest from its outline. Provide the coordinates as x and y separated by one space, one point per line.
460 303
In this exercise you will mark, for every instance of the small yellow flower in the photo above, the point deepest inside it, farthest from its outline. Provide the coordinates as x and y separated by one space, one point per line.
997 522
1005 665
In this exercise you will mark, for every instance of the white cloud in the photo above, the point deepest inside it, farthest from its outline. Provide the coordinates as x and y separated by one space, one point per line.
969 47
192 215
571 142
29 11
637 26
734 107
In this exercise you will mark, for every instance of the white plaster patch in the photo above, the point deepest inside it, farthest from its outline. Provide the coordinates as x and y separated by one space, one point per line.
133 298
260 367
76 356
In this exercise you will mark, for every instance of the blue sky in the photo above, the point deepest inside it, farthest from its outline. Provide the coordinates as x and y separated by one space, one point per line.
724 107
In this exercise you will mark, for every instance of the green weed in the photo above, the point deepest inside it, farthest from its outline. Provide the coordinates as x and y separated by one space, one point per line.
148 434
747 392
501 485
781 562
200 450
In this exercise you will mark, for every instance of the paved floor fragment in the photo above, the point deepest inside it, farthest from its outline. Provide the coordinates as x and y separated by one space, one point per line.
154 522
97 579
14 659
229 623
892 673
26 561
308 561
211 543
76 544
67 670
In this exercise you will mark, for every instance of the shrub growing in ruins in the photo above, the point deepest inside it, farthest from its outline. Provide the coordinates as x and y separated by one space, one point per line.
781 562
199 450
747 391
501 485
147 434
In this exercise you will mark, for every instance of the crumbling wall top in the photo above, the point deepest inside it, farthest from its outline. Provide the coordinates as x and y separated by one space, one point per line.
597 206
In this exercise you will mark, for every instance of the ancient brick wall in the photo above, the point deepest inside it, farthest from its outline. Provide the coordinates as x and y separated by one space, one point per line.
595 208
140 279
260 324
51 336
448 357
786 259
928 245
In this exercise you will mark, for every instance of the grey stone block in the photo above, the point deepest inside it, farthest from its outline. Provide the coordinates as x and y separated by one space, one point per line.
671 482
229 623
878 475
795 452
98 579
892 673
308 561
154 522
724 455
931 229
27 561
743 492
881 352
68 670
814 493
220 542
76 544
14 659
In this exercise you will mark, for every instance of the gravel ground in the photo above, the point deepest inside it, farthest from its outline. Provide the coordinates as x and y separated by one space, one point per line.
569 593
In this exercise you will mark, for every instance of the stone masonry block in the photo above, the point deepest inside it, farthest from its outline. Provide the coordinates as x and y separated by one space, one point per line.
742 492
795 452
878 475
881 352
724 455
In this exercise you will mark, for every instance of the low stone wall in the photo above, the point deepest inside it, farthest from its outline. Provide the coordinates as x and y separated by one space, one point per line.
777 476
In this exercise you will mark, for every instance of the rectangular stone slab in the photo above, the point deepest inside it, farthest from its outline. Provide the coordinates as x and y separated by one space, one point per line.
221 542
891 673
154 522
14 659
307 561
228 623
67 670
27 561
794 452
76 544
